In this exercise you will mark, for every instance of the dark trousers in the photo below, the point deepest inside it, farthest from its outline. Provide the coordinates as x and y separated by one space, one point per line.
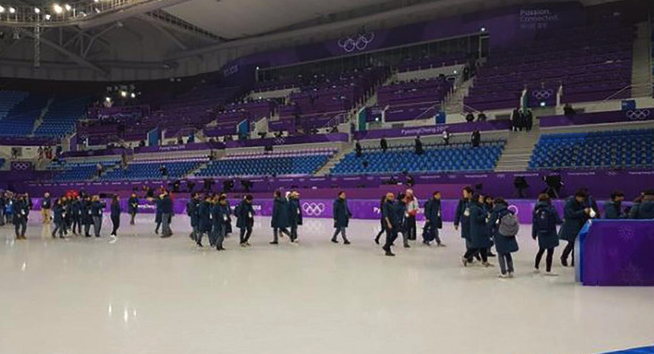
131 221
87 229
246 232
21 227
217 236
382 231
2 215
434 231
293 233
115 220
506 262
411 227
281 230
339 230
548 258
569 250
483 252
76 225
391 235
97 225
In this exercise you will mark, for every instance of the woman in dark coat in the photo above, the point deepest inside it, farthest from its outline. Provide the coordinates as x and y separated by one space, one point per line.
434 218
342 217
504 244
245 219
280 220
574 218
545 219
115 215
479 240
204 219
294 214
59 212
132 207
462 216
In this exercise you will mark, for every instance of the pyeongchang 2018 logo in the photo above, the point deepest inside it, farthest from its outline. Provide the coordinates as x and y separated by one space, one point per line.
357 42
313 209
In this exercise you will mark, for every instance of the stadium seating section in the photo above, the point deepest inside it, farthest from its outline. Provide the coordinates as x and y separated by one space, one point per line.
21 112
79 169
285 163
612 149
61 116
436 158
142 170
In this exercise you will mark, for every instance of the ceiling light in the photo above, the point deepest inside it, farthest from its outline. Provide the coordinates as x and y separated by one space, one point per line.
37 10
123 93
12 10
133 95
108 99
68 8
47 17
58 9
2 9
97 11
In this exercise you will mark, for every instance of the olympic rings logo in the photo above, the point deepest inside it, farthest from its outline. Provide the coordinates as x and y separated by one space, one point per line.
280 141
21 165
638 114
542 94
359 42
313 209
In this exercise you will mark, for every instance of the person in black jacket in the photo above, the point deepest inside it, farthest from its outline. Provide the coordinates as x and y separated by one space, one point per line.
294 214
342 217
418 146
434 218
204 219
132 207
245 220
76 216
392 222
382 219
358 150
115 215
68 215
87 218
544 221
21 212
645 208
192 212
280 220
166 214
613 208
383 144
462 216
575 214
516 120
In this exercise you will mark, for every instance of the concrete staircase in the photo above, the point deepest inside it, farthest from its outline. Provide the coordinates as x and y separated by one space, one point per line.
518 150
641 72
342 151
454 102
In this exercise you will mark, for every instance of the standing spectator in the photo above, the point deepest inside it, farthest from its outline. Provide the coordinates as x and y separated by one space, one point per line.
40 151
20 212
342 217
87 217
204 219
446 137
475 138
245 220
115 215
516 120
434 218
294 214
544 221
481 117
392 223
574 217
470 117
59 214
280 220
357 149
568 111
529 120
132 207
99 169
479 238
97 206
504 227
166 214
418 146
193 215
383 144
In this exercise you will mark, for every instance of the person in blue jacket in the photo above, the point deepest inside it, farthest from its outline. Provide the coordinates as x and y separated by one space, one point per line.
245 219
157 215
544 221
192 212
224 220
280 220
434 218
115 214
97 207
228 229
575 214
462 216
645 208
166 215
613 208
215 220
132 207
479 239
87 218
342 217
400 210
294 214
505 243
391 223
59 212
204 219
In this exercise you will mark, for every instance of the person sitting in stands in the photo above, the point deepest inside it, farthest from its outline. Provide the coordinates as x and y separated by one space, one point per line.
470 117
568 111
481 117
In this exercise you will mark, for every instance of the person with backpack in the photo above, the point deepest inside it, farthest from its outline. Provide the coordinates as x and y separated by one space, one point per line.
434 220
575 214
479 240
504 227
544 221
462 216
